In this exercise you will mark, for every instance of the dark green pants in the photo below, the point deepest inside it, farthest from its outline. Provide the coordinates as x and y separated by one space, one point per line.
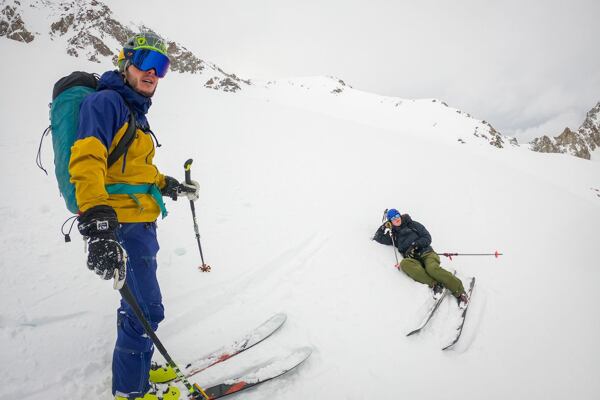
426 269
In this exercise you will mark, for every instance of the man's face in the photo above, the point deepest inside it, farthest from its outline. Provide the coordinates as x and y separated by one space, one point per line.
143 82
397 220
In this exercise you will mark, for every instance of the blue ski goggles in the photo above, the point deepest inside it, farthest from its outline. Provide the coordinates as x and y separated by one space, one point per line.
146 59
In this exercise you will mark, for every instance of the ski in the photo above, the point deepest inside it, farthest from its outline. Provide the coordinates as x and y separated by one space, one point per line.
256 376
432 308
240 345
463 315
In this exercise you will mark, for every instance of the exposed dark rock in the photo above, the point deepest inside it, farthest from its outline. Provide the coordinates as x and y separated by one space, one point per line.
88 25
226 85
341 82
492 136
13 27
590 129
496 137
184 60
545 144
567 142
92 32
579 144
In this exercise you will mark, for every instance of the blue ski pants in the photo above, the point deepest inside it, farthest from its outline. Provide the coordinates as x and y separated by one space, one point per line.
134 349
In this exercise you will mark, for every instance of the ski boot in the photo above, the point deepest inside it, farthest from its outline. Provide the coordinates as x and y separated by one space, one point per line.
162 373
463 300
170 393
438 290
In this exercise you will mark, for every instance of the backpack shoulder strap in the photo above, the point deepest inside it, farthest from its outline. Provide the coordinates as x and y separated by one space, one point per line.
125 141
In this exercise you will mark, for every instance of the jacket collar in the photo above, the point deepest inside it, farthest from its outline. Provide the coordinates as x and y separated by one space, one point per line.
114 80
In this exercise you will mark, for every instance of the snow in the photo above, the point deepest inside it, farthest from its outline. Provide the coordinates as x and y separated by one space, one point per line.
292 188
273 368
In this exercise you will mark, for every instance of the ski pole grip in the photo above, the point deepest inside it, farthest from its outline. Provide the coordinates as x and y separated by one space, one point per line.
188 172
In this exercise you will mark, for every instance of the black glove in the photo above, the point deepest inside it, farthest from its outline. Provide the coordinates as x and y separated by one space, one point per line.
173 189
379 234
105 254
412 251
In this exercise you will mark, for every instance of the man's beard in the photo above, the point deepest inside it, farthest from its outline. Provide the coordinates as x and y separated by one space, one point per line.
136 85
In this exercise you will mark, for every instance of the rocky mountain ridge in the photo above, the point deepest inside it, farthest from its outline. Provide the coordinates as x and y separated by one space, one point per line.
580 143
12 25
91 31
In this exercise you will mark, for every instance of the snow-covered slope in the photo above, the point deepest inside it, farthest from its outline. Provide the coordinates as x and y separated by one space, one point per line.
88 29
292 189
424 116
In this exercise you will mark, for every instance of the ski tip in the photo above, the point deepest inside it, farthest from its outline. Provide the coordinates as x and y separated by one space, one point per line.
296 356
280 318
304 352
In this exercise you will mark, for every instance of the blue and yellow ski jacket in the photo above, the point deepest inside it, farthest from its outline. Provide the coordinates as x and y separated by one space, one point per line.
103 120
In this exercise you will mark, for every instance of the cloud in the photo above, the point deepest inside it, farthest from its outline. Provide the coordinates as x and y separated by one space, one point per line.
551 126
524 66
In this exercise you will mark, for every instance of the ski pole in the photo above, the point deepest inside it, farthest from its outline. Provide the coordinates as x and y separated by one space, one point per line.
188 179
450 255
395 251
194 389
385 221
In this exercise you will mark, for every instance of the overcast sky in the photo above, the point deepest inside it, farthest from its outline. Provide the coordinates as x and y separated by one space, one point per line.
527 67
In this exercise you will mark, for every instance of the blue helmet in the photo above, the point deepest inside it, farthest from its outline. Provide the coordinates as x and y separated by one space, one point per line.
392 213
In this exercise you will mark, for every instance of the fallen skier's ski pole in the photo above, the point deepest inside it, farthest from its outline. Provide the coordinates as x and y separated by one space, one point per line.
450 255
388 226
188 179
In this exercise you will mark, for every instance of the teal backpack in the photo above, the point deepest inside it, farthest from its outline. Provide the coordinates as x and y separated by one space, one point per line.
67 95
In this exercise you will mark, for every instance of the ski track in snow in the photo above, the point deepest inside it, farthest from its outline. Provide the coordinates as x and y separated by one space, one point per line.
278 272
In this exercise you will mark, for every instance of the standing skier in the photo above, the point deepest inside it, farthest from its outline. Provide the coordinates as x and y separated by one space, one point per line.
420 262
119 205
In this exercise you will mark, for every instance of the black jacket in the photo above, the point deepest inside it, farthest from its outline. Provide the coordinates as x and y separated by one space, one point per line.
408 233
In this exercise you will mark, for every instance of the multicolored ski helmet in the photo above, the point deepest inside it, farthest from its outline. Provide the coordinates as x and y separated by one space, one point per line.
146 51
392 214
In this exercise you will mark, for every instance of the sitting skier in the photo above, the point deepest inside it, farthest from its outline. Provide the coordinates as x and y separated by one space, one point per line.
420 262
